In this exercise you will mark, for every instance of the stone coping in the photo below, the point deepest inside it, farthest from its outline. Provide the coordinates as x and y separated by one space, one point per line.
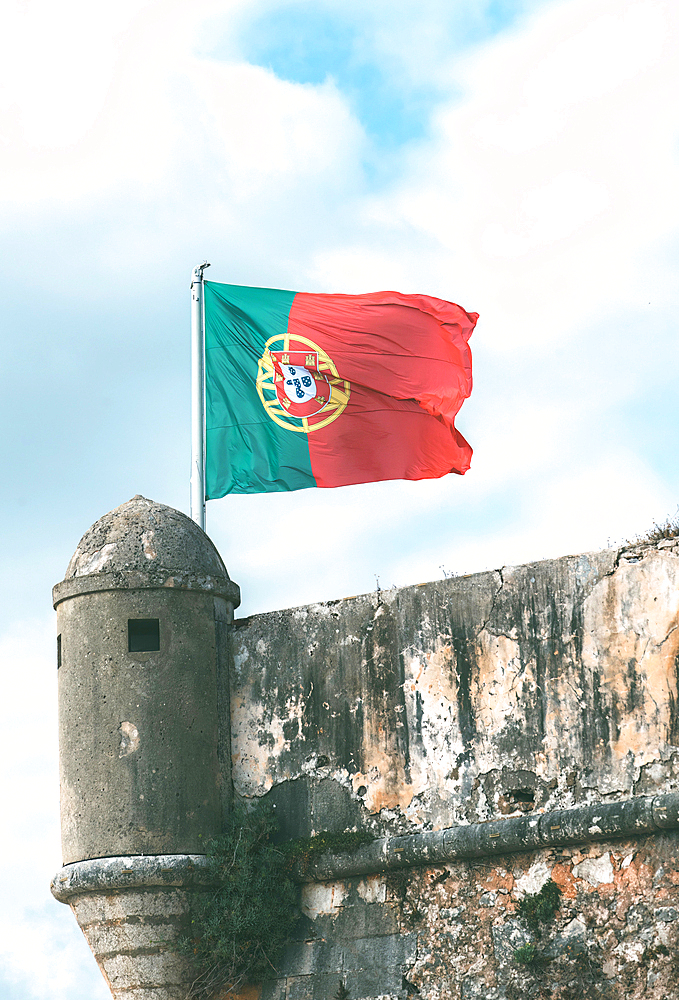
133 872
580 825
95 582
638 816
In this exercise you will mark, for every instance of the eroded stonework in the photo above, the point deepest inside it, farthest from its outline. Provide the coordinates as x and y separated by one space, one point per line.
452 932
535 687
454 720
469 700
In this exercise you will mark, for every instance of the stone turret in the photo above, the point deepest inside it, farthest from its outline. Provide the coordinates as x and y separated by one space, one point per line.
142 617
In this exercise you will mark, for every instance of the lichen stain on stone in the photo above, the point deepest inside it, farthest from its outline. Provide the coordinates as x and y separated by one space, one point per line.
95 562
502 684
147 544
322 898
384 782
129 739
385 763
241 657
260 738
631 641
372 889
596 871
430 691
533 880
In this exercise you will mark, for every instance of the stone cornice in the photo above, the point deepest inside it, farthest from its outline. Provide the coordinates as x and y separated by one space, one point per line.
634 817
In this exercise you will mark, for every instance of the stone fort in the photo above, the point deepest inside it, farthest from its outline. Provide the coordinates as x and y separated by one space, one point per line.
491 732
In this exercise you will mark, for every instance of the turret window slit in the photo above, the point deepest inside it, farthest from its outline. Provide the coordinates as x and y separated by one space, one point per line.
143 635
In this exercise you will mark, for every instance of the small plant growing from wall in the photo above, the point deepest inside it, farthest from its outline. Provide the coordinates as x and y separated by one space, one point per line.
667 529
526 954
539 908
342 992
240 927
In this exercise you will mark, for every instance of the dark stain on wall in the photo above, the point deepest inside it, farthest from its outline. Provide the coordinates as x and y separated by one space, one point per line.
464 668
383 698
395 701
673 736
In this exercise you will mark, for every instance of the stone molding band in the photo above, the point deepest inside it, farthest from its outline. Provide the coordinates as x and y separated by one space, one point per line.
103 875
633 817
96 582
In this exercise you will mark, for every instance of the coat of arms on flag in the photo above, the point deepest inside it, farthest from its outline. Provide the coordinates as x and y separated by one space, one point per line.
299 385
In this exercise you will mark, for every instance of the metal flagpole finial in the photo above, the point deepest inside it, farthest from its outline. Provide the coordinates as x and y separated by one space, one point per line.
197 273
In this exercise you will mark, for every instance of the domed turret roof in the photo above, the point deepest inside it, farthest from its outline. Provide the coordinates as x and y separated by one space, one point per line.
146 544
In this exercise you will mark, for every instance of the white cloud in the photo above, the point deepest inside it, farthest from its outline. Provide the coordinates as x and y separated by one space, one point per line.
550 212
543 189
265 131
592 49
99 104
543 197
42 951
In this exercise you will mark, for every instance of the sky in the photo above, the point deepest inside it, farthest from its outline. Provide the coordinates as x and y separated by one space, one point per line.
519 157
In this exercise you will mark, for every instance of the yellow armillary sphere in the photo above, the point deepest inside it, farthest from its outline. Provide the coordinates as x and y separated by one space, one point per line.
299 385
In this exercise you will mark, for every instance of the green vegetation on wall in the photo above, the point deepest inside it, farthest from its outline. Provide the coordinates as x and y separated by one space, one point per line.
526 954
239 927
539 908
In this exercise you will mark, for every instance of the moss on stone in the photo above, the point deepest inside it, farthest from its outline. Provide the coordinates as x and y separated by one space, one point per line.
539 908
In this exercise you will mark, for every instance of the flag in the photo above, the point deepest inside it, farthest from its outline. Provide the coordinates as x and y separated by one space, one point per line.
327 390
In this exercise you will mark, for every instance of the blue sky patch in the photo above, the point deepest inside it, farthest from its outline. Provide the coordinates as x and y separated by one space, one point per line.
308 43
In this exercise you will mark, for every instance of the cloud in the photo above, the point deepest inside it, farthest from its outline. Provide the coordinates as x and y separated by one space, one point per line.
547 190
95 103
540 193
42 951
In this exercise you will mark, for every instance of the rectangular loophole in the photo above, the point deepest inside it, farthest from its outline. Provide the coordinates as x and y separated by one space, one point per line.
58 651
143 635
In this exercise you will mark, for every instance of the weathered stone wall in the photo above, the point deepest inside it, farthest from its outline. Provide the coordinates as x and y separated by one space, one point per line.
451 932
474 699
531 688
456 721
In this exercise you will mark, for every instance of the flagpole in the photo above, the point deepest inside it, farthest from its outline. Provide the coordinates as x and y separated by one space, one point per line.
197 397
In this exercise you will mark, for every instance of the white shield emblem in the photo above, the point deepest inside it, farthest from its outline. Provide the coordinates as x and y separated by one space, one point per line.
298 383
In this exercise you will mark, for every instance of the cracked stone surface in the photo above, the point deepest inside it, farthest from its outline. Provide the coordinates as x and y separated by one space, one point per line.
527 688
500 694
616 940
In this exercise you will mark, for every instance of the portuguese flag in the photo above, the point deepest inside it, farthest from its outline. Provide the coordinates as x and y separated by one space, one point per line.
328 390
